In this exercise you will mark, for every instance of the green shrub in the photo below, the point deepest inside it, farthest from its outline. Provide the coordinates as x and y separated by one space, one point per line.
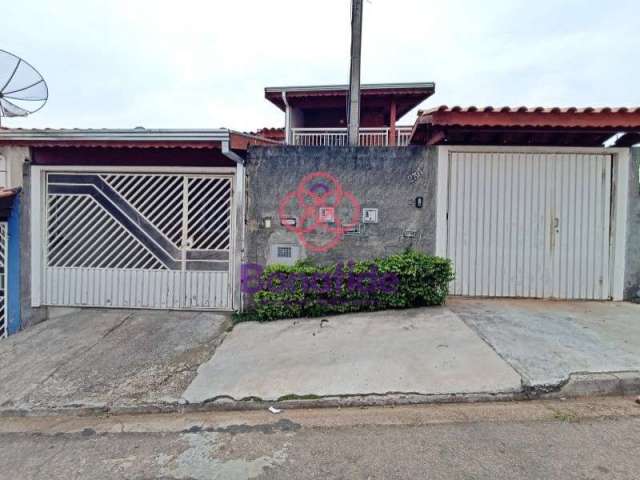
409 279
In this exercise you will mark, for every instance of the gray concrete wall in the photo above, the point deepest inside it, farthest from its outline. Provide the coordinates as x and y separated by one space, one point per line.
632 271
389 179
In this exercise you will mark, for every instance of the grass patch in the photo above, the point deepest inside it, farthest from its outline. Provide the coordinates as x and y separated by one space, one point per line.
239 317
251 399
565 416
293 396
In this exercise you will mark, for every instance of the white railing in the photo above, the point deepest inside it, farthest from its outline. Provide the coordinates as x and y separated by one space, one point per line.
403 136
319 137
337 137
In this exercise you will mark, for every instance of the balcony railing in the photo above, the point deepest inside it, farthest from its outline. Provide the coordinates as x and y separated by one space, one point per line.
337 137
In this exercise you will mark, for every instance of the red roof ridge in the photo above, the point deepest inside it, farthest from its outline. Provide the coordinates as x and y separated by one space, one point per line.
525 109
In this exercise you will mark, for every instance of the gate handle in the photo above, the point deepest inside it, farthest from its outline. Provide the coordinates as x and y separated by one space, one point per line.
554 227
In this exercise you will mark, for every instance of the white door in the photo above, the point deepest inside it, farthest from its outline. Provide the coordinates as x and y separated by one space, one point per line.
529 224
138 240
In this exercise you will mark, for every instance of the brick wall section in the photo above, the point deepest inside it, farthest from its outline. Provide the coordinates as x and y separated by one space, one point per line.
632 271
385 178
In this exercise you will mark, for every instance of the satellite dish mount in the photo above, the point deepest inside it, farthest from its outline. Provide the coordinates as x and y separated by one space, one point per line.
23 91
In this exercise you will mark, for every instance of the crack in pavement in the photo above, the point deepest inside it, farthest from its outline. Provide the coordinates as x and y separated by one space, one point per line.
71 358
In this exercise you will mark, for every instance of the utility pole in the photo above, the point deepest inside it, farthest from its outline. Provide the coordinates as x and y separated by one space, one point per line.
354 77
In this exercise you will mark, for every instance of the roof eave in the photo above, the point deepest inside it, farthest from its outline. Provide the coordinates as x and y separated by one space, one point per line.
364 86
115 135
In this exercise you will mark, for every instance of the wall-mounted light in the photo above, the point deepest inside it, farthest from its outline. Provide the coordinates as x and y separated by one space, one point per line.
266 222
419 202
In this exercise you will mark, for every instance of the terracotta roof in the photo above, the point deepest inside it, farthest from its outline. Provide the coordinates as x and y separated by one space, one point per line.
524 109
587 126
586 117
272 133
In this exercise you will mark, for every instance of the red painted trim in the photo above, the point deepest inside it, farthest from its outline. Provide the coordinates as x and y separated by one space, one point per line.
131 156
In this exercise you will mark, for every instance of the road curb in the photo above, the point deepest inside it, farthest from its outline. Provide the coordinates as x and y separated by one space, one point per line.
229 404
577 385
585 384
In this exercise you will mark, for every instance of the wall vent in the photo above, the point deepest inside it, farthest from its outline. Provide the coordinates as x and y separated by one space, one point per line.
284 253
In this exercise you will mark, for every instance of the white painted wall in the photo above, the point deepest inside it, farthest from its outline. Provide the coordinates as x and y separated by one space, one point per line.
12 159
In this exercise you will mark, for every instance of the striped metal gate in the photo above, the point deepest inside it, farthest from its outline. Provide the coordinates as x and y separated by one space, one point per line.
160 241
4 242
530 224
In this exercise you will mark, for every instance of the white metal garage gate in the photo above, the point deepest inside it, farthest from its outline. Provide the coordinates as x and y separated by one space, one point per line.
138 240
530 224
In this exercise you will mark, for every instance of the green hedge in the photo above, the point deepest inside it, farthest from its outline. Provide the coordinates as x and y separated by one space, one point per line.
409 279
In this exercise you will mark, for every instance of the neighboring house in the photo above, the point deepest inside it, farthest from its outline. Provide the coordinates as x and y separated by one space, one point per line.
10 208
317 115
9 260
526 202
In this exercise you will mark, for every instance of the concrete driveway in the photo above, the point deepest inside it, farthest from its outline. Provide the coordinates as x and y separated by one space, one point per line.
471 346
427 351
106 358
547 341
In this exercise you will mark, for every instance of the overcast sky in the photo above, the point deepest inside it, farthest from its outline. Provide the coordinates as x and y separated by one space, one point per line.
204 64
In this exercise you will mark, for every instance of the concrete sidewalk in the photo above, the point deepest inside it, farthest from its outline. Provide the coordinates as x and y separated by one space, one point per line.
427 351
547 342
106 358
470 350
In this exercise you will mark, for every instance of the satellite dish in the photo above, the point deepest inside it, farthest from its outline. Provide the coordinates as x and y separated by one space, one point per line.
23 91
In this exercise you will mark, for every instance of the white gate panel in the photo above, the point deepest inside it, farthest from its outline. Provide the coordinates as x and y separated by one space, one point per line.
164 289
138 240
529 224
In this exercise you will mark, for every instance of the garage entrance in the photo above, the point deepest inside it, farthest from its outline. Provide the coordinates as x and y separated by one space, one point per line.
138 240
530 224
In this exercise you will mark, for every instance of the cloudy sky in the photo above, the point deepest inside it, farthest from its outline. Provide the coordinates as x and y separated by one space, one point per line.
204 64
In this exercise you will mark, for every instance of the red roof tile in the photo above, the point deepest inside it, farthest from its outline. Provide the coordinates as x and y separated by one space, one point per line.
445 124
586 117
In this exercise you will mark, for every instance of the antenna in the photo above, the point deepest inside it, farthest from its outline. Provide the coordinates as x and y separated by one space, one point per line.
23 91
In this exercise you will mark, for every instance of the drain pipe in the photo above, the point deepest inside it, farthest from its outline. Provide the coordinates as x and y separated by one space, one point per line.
287 118
240 215
230 154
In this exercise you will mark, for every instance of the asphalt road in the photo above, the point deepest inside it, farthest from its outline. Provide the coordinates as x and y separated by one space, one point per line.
587 439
